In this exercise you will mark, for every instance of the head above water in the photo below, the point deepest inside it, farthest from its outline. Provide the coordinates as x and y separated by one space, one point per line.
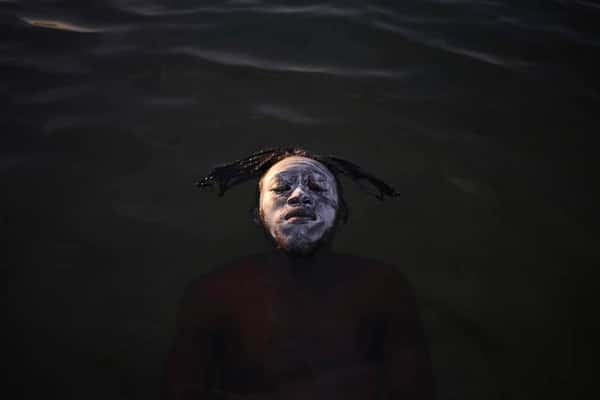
298 204
300 197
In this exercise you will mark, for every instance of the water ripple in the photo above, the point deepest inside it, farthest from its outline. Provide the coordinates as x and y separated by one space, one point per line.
286 114
243 60
442 44
69 26
314 10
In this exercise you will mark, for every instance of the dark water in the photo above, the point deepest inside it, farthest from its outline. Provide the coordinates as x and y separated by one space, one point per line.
481 113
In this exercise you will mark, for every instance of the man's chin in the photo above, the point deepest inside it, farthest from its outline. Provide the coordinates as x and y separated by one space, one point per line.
298 245
295 249
301 247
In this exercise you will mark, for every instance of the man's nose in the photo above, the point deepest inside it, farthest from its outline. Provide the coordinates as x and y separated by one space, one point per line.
299 196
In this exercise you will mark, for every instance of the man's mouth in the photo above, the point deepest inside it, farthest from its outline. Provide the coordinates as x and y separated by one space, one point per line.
300 215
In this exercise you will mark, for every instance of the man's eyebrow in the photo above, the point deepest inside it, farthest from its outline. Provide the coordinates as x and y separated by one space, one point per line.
280 176
285 175
320 174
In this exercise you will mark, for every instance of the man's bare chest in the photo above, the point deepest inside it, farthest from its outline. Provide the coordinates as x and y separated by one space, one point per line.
283 329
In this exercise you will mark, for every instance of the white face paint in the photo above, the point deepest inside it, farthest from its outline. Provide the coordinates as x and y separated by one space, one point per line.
298 203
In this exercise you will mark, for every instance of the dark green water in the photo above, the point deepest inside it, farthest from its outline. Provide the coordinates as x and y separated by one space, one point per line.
482 113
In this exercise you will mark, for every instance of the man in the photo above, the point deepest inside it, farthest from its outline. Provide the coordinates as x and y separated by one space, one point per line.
300 322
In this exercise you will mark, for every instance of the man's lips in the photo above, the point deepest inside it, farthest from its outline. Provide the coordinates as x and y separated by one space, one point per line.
300 215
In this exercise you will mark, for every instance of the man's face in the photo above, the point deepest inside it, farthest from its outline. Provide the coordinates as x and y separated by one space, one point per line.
298 204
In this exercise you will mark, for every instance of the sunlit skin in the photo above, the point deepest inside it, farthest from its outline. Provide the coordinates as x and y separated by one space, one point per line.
298 204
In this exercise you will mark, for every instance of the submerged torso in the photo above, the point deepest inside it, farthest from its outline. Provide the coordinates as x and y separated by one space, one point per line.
272 332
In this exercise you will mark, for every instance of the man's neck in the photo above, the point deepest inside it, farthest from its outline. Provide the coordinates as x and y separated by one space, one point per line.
302 269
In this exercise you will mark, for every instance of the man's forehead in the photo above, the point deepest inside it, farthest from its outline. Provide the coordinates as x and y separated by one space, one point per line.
293 165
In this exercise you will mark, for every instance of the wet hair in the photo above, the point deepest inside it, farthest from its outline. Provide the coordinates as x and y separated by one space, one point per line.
255 165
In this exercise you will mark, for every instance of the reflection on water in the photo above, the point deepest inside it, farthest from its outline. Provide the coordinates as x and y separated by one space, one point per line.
270 65
64 26
435 44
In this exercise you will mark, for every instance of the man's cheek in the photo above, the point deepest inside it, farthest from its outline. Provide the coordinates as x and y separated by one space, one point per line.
327 214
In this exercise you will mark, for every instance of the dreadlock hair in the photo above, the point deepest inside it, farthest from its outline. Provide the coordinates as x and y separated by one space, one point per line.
257 164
